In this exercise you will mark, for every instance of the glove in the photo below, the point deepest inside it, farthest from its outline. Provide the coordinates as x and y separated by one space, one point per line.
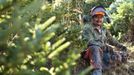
124 56
123 48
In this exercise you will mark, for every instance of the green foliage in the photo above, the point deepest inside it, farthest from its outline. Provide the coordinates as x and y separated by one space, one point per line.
5 3
36 37
29 44
122 17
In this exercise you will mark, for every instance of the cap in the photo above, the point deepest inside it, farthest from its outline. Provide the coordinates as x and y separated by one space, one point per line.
98 10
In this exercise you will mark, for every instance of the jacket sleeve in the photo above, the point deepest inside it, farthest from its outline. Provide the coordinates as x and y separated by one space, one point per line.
86 34
112 41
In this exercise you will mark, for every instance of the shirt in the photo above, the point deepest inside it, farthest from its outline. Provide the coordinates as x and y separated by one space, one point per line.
91 35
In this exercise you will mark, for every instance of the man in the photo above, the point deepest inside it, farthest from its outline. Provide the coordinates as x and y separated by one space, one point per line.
97 38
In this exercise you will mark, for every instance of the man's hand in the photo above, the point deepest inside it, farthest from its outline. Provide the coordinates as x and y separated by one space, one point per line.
123 48
124 54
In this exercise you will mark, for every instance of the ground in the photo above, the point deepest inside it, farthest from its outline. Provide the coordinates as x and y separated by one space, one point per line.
122 69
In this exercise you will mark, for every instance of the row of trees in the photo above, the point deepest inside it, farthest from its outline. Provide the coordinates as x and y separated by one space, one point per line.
35 37
123 17
42 37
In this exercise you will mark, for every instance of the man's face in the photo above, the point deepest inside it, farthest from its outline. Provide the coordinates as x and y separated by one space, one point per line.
97 20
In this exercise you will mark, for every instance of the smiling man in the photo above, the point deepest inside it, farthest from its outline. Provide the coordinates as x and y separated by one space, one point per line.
97 38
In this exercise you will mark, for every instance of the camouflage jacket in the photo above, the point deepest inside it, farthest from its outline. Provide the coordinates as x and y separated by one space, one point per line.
100 37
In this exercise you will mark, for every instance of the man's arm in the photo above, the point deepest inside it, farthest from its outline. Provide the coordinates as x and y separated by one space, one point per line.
114 42
87 34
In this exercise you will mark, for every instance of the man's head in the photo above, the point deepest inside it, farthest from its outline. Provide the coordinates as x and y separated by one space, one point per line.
97 14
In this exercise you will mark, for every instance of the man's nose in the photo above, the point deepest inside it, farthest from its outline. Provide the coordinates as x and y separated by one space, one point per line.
100 18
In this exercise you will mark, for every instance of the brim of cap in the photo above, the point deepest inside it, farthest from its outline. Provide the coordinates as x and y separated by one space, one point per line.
99 13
